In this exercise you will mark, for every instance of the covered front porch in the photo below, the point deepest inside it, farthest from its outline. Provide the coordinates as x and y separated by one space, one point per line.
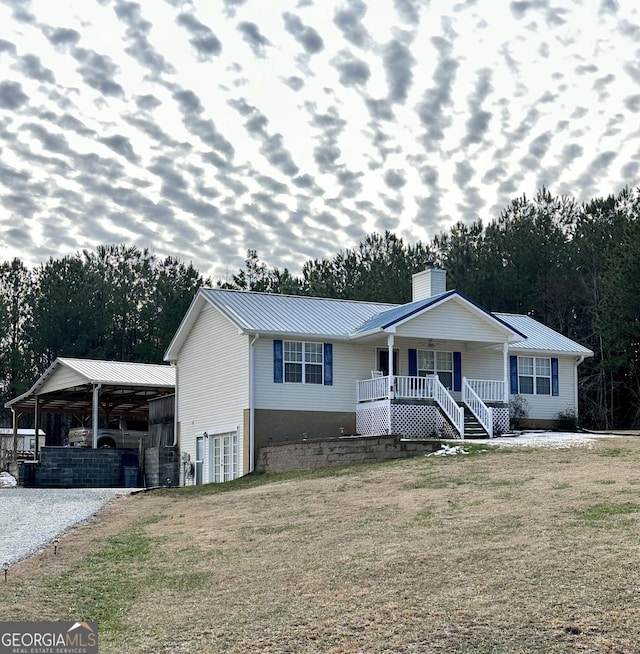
421 406
441 366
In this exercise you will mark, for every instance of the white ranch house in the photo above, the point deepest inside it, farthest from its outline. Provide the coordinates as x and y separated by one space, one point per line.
257 368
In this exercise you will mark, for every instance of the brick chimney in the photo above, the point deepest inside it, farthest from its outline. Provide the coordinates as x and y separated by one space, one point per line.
428 283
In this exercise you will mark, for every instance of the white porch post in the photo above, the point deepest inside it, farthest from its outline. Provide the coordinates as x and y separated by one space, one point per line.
15 433
96 396
36 423
391 374
505 353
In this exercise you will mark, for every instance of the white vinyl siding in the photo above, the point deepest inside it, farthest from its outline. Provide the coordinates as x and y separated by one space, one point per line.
456 321
350 363
483 364
62 378
547 407
213 373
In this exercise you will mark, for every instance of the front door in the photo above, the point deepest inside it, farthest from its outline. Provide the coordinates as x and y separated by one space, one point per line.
383 361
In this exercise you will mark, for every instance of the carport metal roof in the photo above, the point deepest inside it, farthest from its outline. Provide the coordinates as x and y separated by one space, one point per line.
67 386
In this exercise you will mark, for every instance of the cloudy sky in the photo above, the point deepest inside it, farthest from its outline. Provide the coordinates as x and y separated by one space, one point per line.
202 128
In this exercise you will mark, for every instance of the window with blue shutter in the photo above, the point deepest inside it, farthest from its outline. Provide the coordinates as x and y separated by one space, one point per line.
513 374
535 375
413 363
277 362
457 371
328 364
555 384
302 362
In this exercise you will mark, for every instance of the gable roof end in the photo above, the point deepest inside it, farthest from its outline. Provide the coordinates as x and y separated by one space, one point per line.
402 313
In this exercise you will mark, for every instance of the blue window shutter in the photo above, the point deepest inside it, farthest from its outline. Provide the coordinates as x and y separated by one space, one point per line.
555 386
457 371
328 364
277 361
413 363
513 370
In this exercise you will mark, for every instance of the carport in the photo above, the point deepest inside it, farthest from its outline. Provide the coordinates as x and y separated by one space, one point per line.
87 387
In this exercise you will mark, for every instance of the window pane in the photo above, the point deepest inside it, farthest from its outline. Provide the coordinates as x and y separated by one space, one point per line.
526 385
543 367
313 374
543 386
293 372
313 352
446 379
425 363
526 366
292 351
303 362
444 361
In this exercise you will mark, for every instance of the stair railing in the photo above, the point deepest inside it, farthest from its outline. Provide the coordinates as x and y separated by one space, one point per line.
482 412
449 406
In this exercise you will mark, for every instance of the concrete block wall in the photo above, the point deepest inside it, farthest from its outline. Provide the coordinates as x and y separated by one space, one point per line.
323 453
161 464
74 467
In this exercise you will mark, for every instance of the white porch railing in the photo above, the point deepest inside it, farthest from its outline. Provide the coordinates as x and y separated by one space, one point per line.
413 388
488 390
369 390
482 412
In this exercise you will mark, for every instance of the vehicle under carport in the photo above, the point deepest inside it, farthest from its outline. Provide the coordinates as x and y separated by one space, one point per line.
88 389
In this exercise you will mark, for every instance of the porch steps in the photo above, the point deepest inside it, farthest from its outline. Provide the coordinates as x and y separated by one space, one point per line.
472 428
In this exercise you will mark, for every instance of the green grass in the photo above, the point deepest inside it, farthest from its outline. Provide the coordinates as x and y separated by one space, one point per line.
615 452
607 510
277 529
424 516
105 584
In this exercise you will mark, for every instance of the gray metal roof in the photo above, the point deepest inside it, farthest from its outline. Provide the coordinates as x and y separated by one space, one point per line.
128 386
293 314
270 313
121 373
541 337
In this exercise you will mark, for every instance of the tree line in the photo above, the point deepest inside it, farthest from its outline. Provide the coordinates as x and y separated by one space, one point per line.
118 303
575 268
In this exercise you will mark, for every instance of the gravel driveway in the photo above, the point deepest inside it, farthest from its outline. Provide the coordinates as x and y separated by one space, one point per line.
30 518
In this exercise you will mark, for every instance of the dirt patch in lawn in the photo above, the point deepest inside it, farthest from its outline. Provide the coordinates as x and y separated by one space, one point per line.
527 550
